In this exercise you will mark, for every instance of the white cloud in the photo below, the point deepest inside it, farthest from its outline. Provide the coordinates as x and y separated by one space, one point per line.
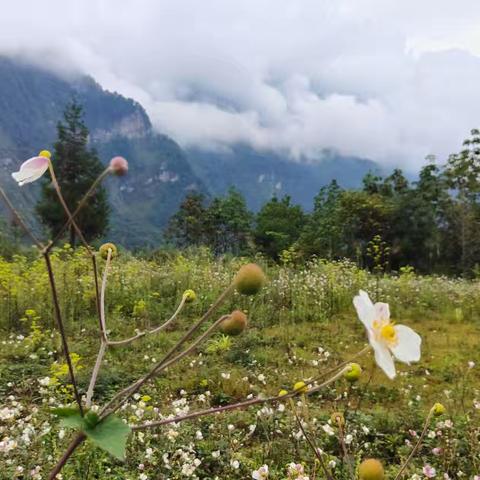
387 80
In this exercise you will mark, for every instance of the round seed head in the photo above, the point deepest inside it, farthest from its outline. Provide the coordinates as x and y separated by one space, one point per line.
371 469
249 279
438 409
338 419
352 374
234 324
105 248
189 296
300 387
45 153
118 166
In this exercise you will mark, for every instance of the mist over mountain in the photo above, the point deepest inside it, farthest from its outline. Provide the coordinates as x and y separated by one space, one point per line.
32 102
261 175
161 172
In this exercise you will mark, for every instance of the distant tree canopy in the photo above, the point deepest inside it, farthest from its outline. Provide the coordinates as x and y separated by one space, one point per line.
225 225
76 167
431 224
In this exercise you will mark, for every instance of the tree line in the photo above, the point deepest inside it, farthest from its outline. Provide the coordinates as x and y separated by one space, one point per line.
431 224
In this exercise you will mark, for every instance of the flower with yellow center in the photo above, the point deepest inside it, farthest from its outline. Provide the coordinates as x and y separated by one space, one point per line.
385 337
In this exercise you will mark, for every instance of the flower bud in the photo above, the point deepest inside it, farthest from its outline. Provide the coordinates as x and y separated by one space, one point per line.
249 279
105 248
371 469
338 419
45 153
300 387
118 166
234 324
438 409
189 296
353 372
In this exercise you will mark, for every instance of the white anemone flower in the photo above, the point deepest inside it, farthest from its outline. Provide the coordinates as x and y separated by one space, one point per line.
32 169
261 473
385 337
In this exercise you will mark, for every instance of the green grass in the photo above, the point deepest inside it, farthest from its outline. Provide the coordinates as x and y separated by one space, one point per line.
302 313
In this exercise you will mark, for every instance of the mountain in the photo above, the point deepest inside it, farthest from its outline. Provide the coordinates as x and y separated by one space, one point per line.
260 175
31 103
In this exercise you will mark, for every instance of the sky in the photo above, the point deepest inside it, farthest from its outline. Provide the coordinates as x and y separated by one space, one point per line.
388 80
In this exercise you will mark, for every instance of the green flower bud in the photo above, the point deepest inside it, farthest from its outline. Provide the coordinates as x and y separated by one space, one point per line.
300 387
105 248
338 419
438 409
234 324
189 296
353 372
371 469
249 279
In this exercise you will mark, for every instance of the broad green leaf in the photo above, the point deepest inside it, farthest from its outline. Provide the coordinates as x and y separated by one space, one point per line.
70 418
65 411
110 435
91 419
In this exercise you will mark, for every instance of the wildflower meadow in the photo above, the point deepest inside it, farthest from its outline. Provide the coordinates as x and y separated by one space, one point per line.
172 365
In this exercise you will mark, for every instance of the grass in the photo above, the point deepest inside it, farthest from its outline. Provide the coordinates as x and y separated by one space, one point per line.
301 324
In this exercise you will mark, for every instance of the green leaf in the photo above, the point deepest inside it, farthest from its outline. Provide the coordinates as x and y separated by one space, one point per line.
91 419
70 418
64 411
110 435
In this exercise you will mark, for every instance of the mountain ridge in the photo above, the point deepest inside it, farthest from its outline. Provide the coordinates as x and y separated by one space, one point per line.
32 101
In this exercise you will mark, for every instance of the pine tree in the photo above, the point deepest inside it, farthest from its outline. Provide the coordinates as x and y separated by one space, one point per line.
187 227
76 167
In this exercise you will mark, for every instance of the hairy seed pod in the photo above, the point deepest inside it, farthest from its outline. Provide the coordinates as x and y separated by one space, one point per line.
118 166
234 324
105 248
189 296
438 409
249 279
371 469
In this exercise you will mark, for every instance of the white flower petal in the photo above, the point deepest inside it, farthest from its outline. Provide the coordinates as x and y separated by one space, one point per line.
382 311
384 358
365 309
31 170
408 347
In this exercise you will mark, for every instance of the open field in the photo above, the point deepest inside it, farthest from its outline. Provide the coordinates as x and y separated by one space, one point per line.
302 323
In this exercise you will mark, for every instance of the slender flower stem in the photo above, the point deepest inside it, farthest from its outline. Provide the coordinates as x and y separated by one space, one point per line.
61 328
417 445
152 331
103 322
160 367
235 406
80 205
346 457
97 292
78 440
66 209
96 369
19 220
315 449
131 389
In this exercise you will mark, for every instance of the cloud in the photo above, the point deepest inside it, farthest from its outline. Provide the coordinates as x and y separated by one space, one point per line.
381 79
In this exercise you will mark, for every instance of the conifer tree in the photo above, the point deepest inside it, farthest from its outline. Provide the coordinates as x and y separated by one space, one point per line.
76 167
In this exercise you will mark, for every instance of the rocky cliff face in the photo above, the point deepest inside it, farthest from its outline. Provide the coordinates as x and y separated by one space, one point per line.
32 102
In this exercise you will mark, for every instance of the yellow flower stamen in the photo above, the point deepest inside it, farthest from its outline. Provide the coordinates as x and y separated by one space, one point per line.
388 333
